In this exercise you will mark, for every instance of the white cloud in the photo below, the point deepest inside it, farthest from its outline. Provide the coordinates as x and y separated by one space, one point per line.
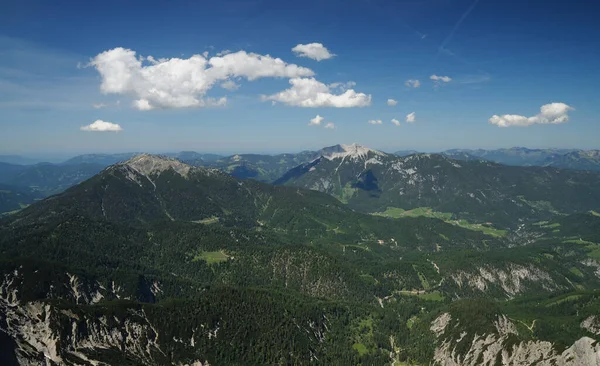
342 86
438 80
311 93
142 105
98 105
396 122
101 126
230 85
413 83
392 102
375 122
411 117
330 126
553 113
223 53
316 51
316 121
180 83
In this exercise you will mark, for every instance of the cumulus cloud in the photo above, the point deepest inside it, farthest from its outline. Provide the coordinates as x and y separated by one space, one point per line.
101 126
230 85
330 126
396 122
392 102
553 113
439 80
98 105
316 51
180 83
316 121
413 83
311 93
445 79
375 122
342 86
411 117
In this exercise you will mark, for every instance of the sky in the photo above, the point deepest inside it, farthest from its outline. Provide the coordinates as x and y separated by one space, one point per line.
285 76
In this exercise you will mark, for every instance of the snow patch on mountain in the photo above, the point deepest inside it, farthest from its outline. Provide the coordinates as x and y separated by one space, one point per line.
353 152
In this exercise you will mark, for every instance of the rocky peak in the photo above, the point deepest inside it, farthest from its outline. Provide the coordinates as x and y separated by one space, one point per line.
353 151
148 164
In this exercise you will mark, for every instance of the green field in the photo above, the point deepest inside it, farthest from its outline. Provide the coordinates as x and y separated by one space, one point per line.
211 257
396 213
576 271
361 348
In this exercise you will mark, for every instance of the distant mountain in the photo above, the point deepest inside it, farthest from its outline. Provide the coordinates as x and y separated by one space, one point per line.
17 159
406 152
110 159
46 178
373 181
100 159
264 168
580 160
194 156
518 156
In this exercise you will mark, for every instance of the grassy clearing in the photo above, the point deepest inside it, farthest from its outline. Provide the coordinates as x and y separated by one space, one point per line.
369 279
422 278
363 336
595 253
427 296
395 212
411 321
564 299
547 225
211 257
360 348
593 249
576 271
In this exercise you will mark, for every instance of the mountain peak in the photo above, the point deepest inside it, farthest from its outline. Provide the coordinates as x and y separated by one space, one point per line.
148 164
353 151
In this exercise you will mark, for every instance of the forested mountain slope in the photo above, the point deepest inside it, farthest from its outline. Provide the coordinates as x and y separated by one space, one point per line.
480 191
155 262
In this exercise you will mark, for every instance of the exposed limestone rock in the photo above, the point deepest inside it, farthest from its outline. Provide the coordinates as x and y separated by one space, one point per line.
489 349
513 280
592 324
147 164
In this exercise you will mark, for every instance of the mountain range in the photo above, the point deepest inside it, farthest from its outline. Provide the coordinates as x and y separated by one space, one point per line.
154 261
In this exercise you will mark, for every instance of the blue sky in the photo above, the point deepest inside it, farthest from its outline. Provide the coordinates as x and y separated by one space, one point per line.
503 58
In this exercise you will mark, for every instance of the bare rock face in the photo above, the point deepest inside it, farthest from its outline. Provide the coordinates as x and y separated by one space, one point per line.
46 334
148 165
513 280
494 348
592 324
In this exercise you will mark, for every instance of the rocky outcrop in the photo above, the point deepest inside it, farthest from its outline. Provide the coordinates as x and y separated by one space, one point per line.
502 348
512 280
54 331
